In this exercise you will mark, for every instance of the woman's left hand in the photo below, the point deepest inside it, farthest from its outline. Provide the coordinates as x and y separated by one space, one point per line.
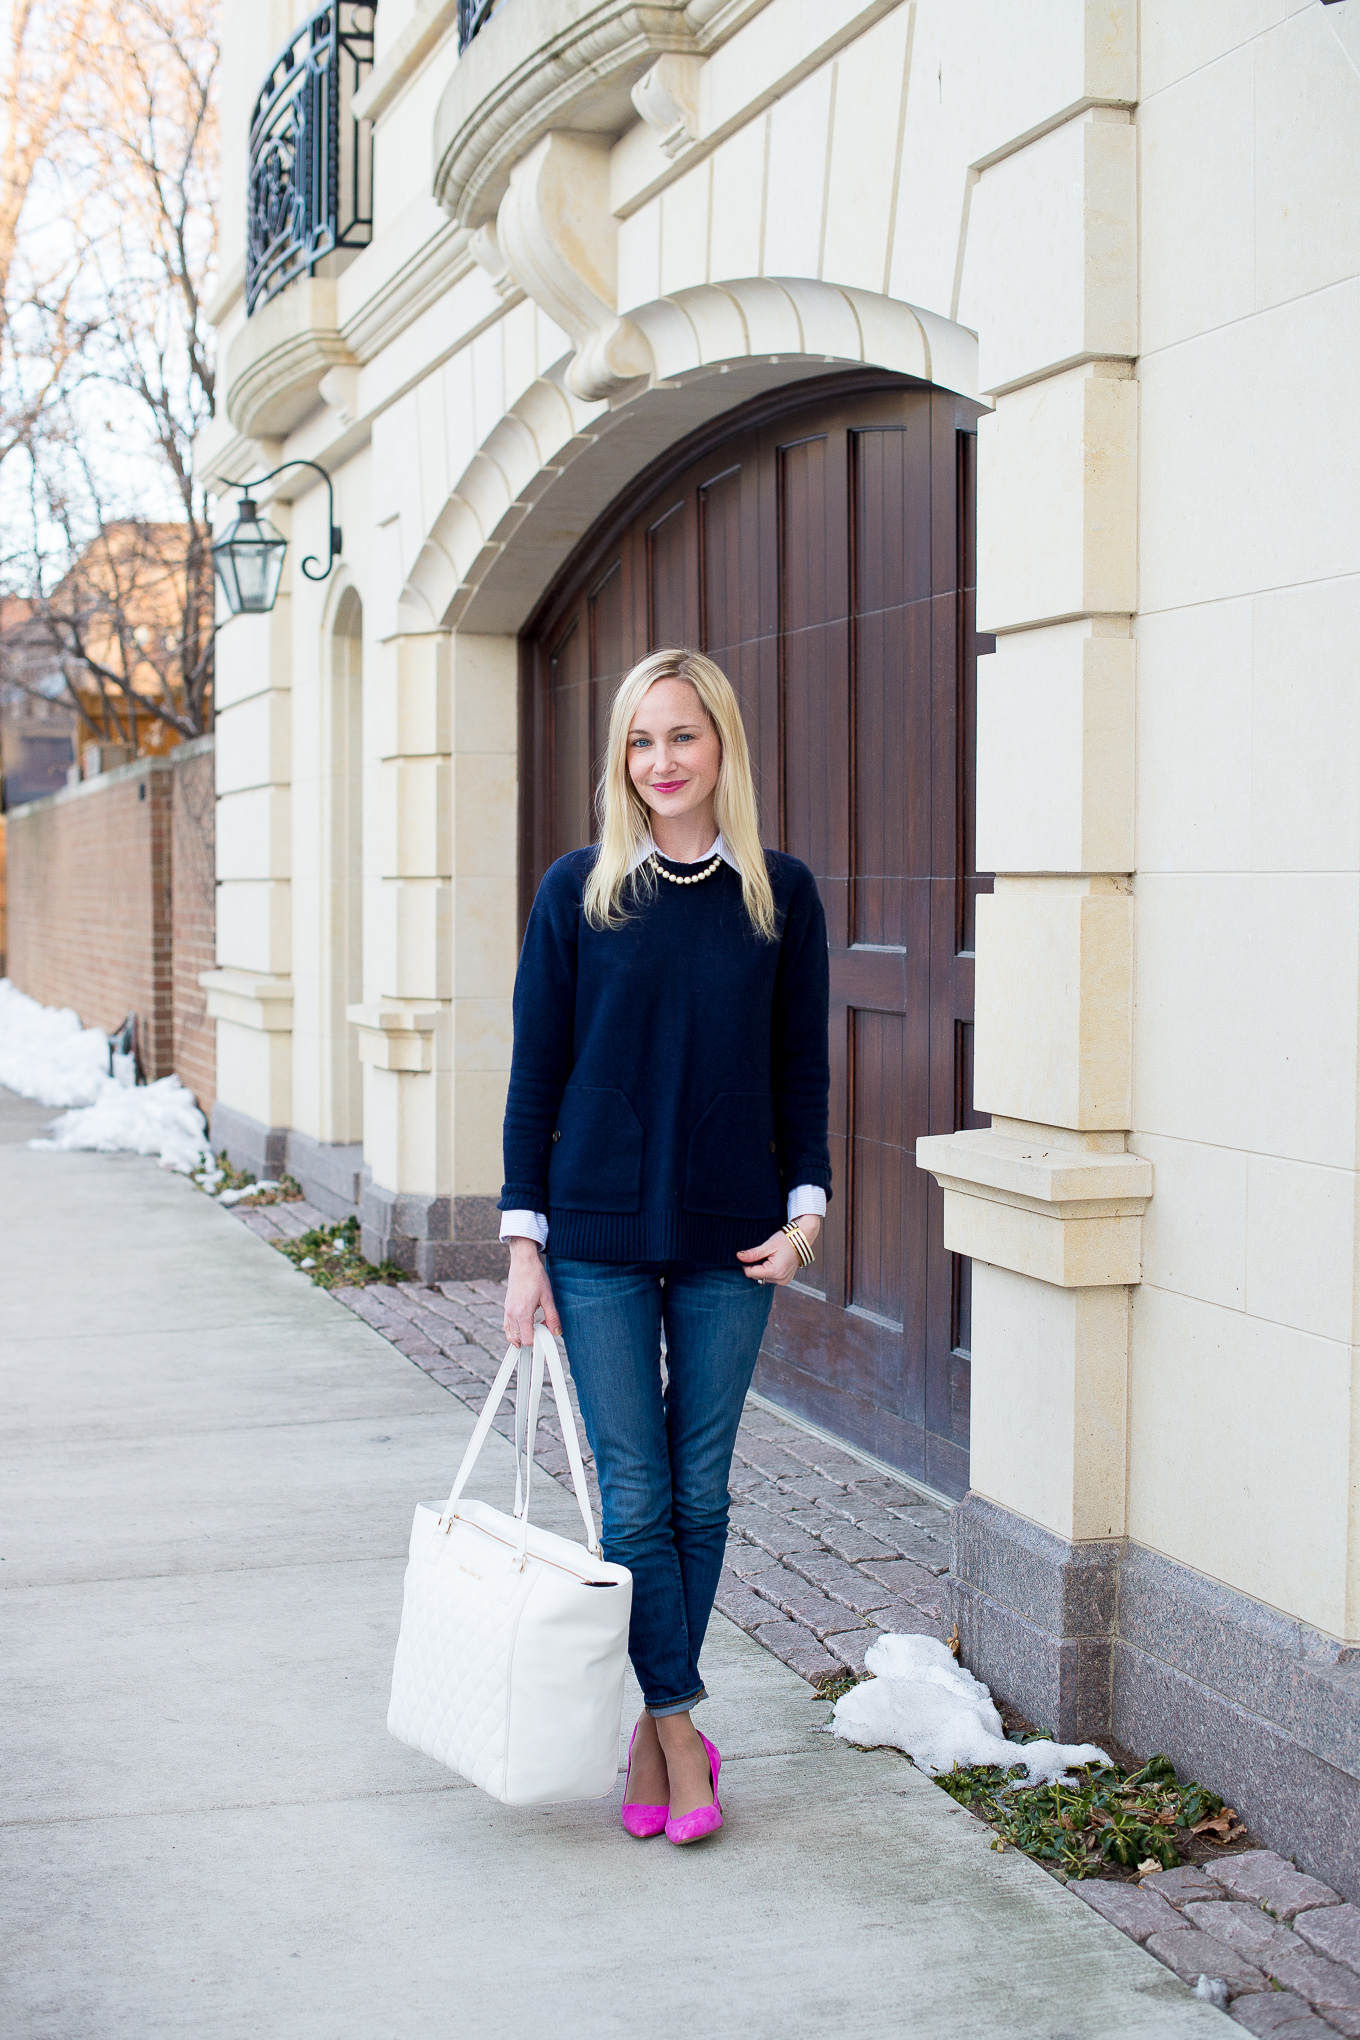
776 1259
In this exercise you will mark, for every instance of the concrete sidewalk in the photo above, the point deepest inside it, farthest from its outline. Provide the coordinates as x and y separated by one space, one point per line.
208 1472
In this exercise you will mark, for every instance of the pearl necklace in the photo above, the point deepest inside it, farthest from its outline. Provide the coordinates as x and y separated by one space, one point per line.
695 878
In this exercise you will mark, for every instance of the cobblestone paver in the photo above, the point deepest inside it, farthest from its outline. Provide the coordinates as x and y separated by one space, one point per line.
1286 1945
824 1552
824 1555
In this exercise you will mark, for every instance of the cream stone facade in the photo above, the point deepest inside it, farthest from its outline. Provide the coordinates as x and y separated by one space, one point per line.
1128 233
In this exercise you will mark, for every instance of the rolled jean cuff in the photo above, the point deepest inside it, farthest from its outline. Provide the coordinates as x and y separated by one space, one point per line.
677 1706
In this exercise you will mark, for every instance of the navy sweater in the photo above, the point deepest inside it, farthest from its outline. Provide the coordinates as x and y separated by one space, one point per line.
669 1081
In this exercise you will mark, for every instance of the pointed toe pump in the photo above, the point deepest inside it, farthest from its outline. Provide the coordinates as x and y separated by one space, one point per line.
640 1821
705 1820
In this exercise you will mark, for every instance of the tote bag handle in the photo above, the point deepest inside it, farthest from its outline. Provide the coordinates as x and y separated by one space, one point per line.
518 1361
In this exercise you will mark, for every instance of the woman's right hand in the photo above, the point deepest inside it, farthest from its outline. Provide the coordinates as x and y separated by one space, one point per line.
528 1292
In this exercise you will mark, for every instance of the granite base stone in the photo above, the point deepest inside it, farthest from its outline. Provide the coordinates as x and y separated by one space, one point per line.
436 1239
1279 2015
260 1150
1287 1795
1110 1639
329 1173
1036 1617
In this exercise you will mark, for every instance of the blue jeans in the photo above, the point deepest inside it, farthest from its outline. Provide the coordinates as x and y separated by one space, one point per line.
662 1457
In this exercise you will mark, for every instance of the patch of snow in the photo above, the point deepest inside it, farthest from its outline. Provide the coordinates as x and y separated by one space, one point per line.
235 1196
922 1701
153 1119
46 1054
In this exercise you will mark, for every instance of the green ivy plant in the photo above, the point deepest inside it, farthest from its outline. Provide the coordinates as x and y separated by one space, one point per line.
330 1255
1107 1817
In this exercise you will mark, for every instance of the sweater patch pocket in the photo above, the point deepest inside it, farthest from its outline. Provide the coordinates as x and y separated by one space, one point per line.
733 1167
596 1156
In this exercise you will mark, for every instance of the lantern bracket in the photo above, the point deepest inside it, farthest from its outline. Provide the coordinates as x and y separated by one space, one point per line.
335 538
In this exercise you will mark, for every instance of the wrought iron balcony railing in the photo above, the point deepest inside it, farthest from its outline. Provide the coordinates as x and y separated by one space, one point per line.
473 15
311 163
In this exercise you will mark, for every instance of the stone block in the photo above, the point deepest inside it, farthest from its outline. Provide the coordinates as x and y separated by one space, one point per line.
844 1583
825 1459
1050 1406
1057 501
1055 761
260 1149
795 1598
881 1524
1054 1001
796 1648
1247 1929
1079 1240
811 1487
1191 1954
1050 271
1261 1875
1334 1931
748 1561
1134 1911
1199 138
771 1460
740 1604
1279 2015
874 1487
910 1618
1183 1886
902 1579
412 1344
853 1646
851 1543
775 1534
922 1555
1330 1988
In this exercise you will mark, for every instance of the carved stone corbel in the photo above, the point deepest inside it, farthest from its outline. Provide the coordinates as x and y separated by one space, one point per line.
559 240
486 253
668 100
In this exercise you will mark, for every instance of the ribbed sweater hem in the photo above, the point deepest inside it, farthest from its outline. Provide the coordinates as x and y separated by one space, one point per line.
626 1236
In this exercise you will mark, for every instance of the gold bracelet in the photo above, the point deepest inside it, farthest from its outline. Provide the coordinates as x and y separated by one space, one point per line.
794 1232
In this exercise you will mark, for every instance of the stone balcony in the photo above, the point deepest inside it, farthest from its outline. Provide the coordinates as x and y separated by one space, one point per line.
544 65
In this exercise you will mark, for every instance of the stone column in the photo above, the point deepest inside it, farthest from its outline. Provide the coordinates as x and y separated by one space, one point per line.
250 993
1047 1201
440 945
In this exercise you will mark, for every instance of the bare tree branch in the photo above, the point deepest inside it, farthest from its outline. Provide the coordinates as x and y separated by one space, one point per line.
122 601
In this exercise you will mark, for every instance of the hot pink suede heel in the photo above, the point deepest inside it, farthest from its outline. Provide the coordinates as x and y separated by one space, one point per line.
705 1820
640 1821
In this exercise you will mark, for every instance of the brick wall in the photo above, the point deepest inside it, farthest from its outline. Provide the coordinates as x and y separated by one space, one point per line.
193 927
102 878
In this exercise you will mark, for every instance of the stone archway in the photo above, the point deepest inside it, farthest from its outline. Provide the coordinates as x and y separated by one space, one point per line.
553 462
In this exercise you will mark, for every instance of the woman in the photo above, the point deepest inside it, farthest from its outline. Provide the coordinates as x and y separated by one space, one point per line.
665 1140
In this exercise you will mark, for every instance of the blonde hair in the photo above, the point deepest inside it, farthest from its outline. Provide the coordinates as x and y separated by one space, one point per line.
625 820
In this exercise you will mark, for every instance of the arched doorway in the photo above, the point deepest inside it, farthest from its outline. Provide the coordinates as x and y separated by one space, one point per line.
819 546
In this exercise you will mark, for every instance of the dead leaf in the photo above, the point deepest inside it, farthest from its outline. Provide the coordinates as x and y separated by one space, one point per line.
952 1643
1145 1869
1220 1827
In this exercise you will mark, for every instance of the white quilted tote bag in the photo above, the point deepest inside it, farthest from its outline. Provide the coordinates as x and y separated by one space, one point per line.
513 1641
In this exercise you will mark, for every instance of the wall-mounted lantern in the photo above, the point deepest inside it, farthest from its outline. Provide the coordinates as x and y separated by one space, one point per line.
249 560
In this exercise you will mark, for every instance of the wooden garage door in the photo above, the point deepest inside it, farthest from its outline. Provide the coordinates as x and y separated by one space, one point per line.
821 551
